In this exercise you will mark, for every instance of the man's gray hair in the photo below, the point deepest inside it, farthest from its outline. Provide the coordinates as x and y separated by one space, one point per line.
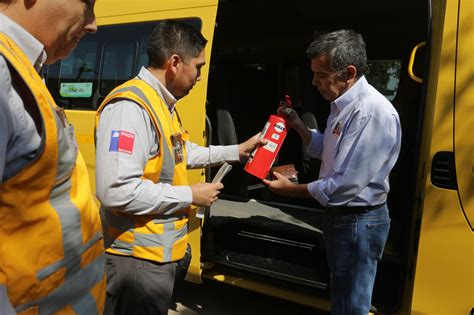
343 47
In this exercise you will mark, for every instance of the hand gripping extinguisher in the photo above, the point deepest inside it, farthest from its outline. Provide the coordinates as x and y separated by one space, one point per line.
262 158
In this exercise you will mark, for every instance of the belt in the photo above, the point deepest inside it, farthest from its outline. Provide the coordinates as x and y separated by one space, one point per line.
352 210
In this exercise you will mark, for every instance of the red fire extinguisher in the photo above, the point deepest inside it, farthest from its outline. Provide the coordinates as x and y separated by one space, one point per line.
262 159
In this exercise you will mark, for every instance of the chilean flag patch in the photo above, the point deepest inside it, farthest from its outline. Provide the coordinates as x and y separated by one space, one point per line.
121 141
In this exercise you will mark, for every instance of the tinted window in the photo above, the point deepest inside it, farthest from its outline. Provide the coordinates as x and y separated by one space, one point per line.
101 62
384 75
117 65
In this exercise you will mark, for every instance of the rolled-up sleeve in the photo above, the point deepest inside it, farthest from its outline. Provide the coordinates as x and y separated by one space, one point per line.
120 185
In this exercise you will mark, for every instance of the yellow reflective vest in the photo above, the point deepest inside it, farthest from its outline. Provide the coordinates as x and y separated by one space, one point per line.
156 237
51 248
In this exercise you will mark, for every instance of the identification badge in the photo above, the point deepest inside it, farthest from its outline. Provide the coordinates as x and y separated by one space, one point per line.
62 116
177 143
337 131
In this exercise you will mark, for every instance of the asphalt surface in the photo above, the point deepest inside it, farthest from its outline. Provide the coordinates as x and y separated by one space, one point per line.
215 298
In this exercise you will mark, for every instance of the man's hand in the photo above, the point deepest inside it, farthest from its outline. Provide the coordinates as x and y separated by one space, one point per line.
282 186
294 121
291 117
245 148
204 194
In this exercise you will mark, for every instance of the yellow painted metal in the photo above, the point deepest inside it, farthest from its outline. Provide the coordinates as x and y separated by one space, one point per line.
464 110
84 122
268 289
118 9
411 62
443 282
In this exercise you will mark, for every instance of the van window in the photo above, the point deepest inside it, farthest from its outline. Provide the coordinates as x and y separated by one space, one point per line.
101 62
118 65
384 75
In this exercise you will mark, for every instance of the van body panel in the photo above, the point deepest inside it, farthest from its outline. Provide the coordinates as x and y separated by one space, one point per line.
444 257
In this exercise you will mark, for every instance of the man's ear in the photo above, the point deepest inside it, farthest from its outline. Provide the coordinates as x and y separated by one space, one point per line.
350 73
29 3
174 62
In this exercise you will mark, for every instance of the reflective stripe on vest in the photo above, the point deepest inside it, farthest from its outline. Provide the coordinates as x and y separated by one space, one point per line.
161 238
48 209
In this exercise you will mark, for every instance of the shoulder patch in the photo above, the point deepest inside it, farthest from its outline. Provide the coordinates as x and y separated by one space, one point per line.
121 141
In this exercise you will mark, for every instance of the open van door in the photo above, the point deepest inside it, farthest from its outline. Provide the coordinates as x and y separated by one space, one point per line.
254 238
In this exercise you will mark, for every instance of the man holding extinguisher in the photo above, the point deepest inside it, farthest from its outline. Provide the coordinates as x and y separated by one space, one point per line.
358 149
143 153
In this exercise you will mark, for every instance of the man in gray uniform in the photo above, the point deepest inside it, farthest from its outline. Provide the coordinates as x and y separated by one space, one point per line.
146 200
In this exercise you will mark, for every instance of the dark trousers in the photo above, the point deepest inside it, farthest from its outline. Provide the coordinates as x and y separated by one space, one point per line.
137 286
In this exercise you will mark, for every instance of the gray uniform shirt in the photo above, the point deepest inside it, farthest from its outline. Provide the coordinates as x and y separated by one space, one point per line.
19 139
118 173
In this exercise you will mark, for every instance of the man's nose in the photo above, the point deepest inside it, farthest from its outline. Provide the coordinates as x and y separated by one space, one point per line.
90 24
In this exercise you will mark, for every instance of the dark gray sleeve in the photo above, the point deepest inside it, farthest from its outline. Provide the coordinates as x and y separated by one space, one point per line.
5 116
5 306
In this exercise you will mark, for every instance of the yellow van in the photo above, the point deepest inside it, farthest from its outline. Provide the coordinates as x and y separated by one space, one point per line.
420 54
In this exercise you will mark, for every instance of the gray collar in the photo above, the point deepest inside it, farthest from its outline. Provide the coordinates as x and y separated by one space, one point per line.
149 78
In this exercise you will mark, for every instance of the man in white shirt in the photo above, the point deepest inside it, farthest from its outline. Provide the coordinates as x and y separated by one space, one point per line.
358 149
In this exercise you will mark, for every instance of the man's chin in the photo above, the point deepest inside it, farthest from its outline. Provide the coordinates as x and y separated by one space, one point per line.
178 97
58 55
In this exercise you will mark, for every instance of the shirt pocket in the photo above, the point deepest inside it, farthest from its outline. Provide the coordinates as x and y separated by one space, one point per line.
67 147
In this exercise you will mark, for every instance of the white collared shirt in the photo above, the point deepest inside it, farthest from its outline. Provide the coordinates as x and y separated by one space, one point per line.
358 149
118 175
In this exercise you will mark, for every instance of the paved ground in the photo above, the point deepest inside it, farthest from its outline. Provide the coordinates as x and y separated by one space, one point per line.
215 298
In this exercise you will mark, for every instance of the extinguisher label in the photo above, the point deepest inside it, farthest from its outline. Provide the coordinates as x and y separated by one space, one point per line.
275 136
279 127
271 146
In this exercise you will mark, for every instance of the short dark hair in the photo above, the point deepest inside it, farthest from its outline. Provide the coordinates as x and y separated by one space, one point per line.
343 47
174 37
